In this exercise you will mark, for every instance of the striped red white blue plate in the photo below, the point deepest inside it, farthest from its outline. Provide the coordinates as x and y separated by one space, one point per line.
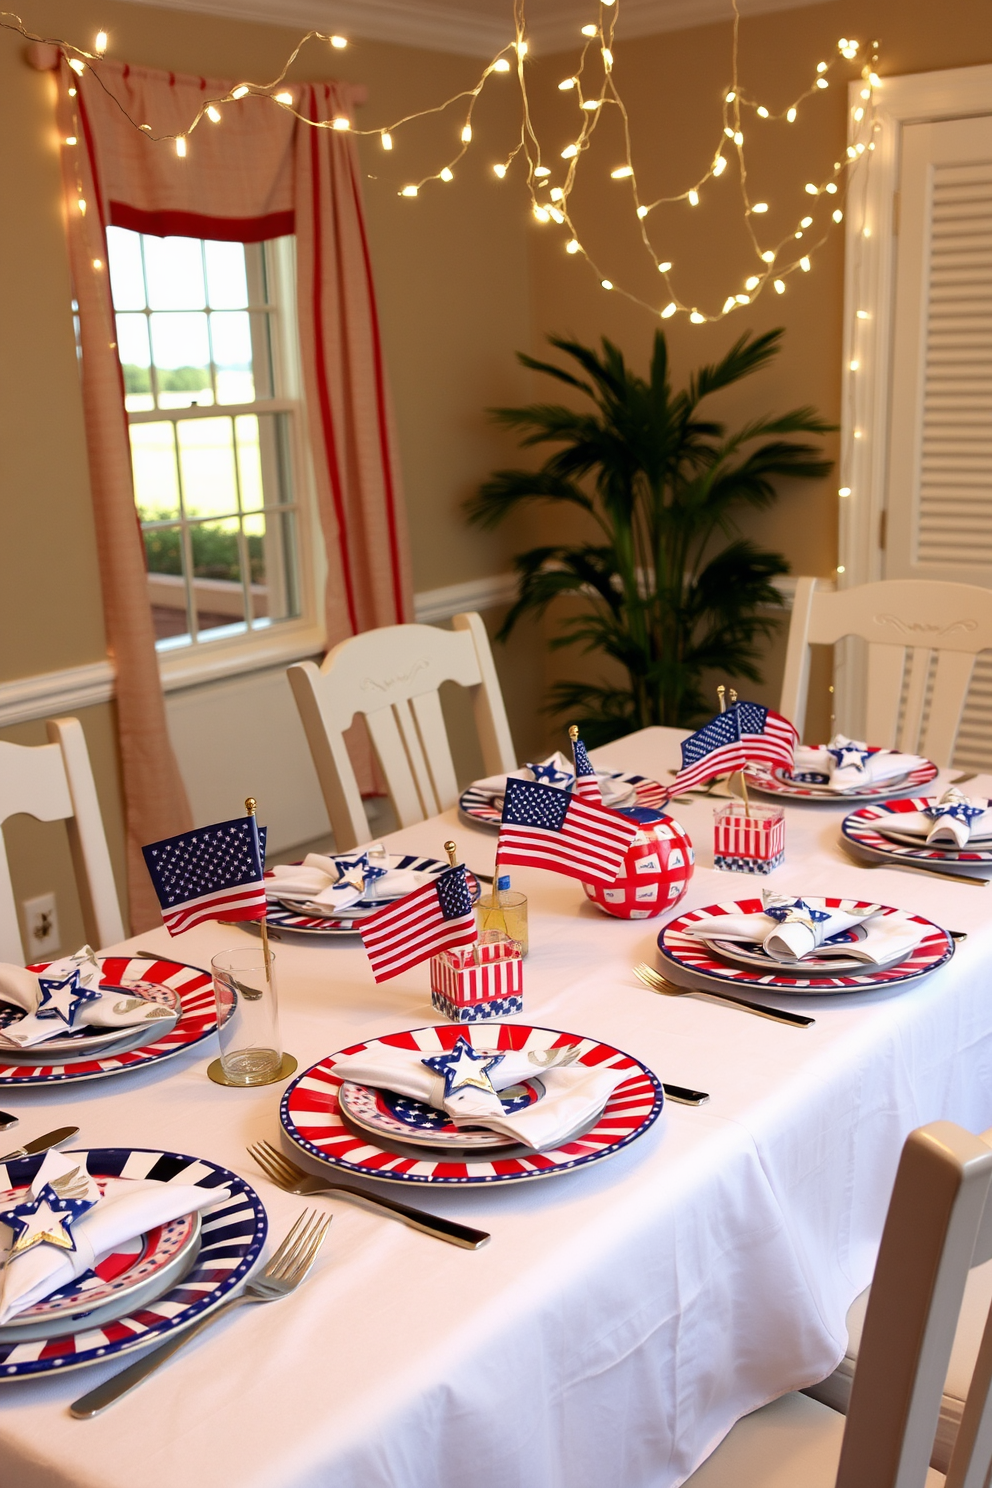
231 1240
197 1022
312 1117
693 963
282 916
776 781
477 805
861 831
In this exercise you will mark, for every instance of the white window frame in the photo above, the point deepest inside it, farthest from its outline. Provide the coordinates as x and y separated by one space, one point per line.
304 635
869 287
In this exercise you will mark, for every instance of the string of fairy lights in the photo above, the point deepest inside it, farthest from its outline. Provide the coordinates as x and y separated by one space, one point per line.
550 187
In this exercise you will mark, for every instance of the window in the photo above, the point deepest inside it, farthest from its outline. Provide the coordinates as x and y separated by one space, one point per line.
211 391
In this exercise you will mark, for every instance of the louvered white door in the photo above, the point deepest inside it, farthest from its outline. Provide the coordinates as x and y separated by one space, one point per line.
939 490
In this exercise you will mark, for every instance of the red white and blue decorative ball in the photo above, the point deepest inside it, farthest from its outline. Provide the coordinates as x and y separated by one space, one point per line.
656 869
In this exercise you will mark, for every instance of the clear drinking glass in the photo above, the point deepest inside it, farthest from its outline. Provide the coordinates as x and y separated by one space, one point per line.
247 1016
506 911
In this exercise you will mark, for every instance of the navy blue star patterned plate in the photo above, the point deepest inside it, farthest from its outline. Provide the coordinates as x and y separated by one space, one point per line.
401 1118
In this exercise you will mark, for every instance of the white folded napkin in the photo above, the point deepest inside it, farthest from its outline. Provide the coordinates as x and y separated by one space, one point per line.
129 1207
791 928
949 822
102 1009
338 883
849 764
558 771
574 1092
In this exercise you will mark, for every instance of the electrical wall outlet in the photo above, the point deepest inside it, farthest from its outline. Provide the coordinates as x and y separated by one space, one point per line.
41 920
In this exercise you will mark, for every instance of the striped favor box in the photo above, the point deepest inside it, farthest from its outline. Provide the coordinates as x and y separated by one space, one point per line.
472 983
748 840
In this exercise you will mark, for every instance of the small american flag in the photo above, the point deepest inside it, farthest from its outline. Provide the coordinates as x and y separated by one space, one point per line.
547 828
586 785
747 731
435 917
210 873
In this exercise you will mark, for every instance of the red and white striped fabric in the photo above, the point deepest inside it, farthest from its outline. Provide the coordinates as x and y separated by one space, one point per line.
459 978
547 828
434 918
749 836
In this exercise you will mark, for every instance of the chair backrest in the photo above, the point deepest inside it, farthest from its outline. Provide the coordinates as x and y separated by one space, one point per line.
928 1245
392 676
909 625
54 782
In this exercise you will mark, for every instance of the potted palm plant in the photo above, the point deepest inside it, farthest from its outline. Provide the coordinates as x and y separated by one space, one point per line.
664 584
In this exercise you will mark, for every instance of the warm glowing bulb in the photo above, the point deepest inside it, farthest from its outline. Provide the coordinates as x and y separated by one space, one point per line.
81 204
341 123
147 127
386 140
213 114
791 115
669 310
730 97
98 263
642 212
738 138
762 112
590 30
752 283
743 299
566 83
797 235
841 568
541 213
100 45
521 49
607 283
857 434
572 246
811 190
859 114
769 255
806 222
339 41
284 98
592 103
844 491
719 165
863 315
865 92
501 65
181 147
851 152
555 215
607 58
729 304
694 198
240 91
873 78
663 268
859 148
409 191
831 186
447 174
805 265
542 171
70 139
499 170
696 318
569 152
838 216
72 92
467 135
760 207
622 171
780 286
556 193
821 66
78 67
822 83
854 365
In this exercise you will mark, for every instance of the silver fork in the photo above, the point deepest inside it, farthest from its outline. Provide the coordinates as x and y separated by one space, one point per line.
287 1268
657 983
294 1180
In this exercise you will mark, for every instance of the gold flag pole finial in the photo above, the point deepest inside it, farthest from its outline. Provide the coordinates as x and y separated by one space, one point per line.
573 732
250 804
721 693
452 851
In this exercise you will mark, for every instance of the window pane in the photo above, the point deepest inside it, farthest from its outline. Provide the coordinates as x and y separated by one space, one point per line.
181 351
206 457
272 558
217 590
263 460
174 272
132 348
127 281
249 461
230 333
166 582
156 482
227 283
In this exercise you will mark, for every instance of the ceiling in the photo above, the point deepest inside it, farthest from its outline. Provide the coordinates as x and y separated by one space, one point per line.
475 28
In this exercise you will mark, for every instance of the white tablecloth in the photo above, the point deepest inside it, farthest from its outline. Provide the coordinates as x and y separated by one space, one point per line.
621 1318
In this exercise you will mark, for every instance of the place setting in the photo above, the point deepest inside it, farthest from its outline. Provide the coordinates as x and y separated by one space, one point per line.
845 769
950 835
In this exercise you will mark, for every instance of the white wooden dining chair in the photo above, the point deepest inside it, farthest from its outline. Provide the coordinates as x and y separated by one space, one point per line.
934 1217
392 676
923 637
835 1390
54 782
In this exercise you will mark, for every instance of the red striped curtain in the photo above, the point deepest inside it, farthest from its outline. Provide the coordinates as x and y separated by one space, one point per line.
258 173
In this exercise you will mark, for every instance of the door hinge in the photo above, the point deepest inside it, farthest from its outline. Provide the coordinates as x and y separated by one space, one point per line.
883 528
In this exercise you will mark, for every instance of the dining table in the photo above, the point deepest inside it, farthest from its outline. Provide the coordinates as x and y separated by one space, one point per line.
623 1316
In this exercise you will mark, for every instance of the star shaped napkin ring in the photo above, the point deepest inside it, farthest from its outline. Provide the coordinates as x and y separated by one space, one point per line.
358 872
797 913
848 754
63 999
464 1066
47 1219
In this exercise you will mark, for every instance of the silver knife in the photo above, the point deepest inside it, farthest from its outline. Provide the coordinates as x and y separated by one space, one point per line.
42 1144
7 1120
